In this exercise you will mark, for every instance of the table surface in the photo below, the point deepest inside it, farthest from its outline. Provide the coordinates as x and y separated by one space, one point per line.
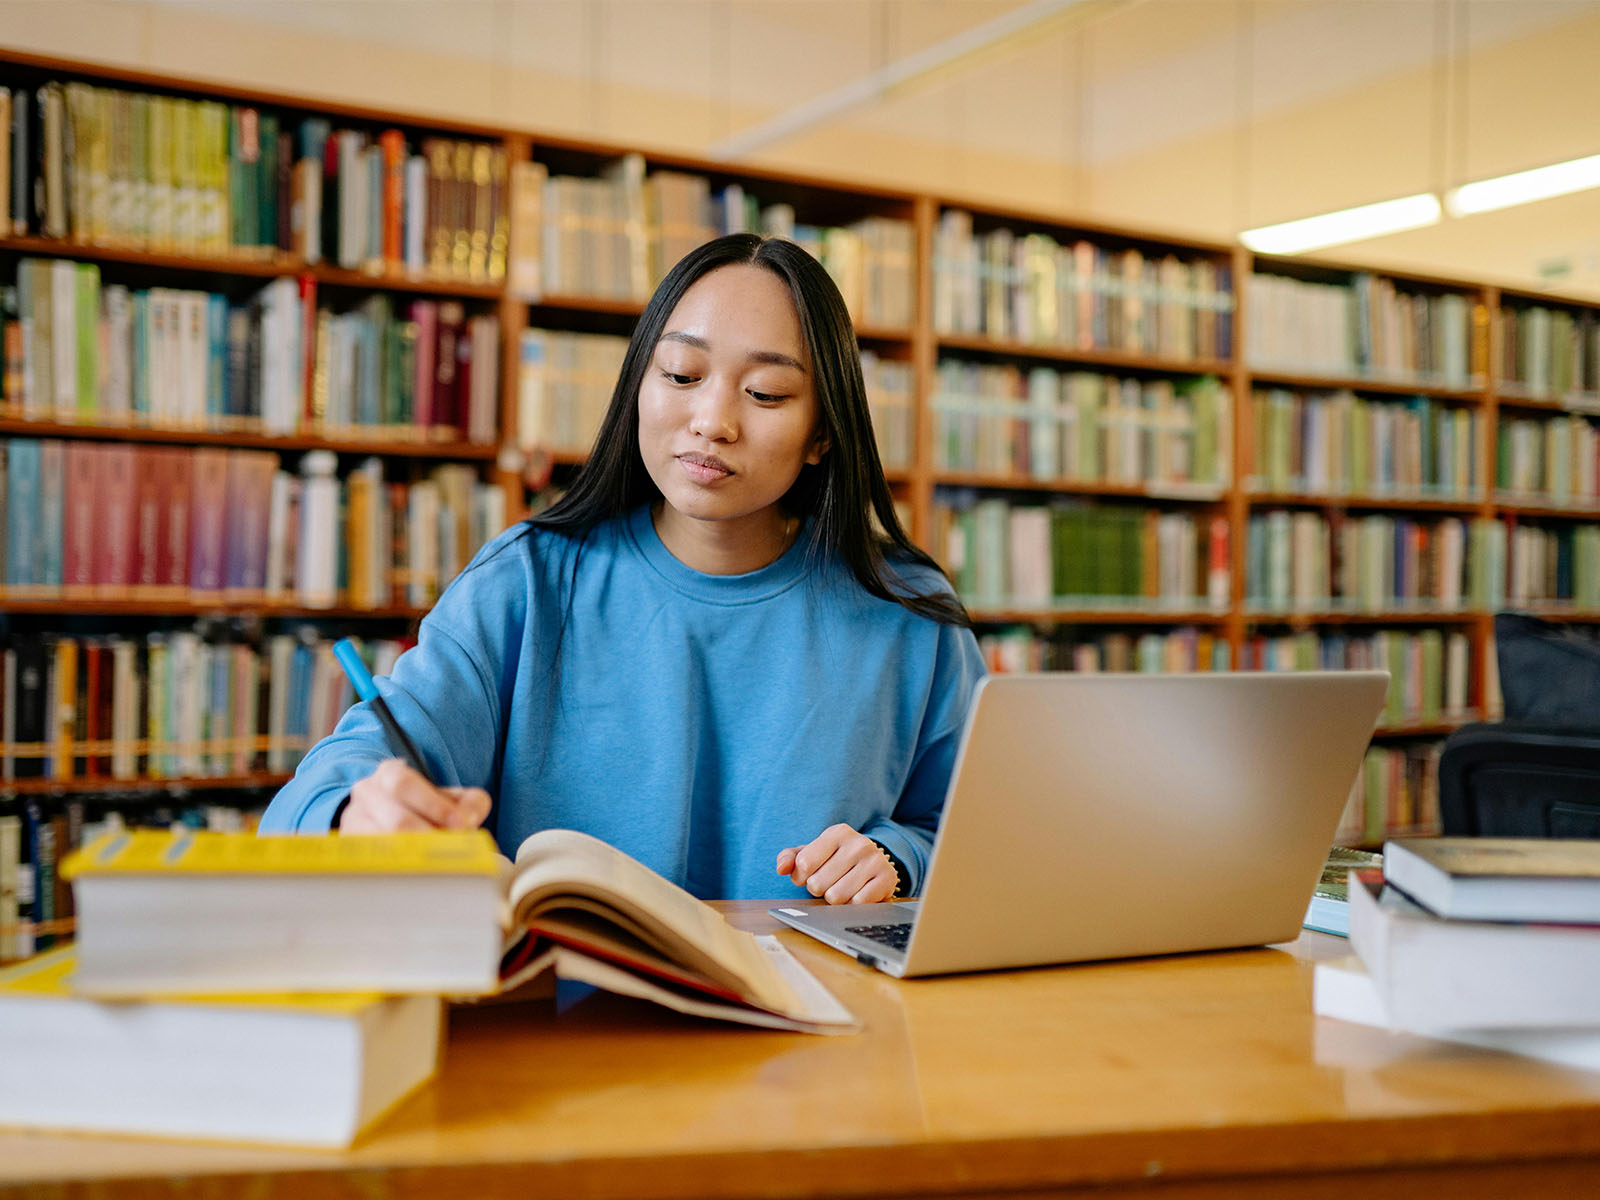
1197 1075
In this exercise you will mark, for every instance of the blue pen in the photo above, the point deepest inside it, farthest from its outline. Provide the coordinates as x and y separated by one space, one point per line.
344 650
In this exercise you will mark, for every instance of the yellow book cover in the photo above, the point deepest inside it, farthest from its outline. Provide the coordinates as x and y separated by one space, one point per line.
198 852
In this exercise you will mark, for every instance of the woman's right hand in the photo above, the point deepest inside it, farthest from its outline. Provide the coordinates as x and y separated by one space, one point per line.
395 798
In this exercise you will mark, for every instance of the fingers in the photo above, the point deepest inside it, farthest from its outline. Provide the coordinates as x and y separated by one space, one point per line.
395 798
786 860
840 866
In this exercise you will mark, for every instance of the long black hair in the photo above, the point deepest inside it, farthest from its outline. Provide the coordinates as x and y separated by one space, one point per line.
841 495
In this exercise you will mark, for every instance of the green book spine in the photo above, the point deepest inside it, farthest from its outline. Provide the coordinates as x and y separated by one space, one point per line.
266 181
88 321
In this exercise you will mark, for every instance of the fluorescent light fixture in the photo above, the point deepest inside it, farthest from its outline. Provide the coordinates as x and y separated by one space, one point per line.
1521 187
1345 225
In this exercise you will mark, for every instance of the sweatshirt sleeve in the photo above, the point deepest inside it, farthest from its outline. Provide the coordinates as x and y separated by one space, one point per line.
445 692
908 834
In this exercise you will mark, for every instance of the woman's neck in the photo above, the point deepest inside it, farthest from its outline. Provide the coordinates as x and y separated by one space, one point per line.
725 547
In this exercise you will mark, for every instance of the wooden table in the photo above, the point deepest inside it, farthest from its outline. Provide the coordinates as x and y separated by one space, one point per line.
1198 1076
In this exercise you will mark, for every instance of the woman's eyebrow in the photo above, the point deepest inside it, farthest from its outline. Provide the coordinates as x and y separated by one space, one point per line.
774 357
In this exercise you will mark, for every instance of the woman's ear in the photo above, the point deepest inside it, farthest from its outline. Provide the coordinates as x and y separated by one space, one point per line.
819 446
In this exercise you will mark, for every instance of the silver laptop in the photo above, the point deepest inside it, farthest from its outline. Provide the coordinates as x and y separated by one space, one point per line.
1108 816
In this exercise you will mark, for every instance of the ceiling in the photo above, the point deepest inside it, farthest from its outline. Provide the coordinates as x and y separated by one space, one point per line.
1199 116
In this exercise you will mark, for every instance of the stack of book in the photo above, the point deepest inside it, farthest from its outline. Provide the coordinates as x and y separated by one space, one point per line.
1491 942
290 989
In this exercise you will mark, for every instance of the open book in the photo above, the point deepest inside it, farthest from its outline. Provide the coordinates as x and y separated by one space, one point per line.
198 912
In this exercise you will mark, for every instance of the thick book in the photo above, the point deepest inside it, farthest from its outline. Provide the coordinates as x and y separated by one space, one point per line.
1344 989
1436 973
1499 879
302 1070
418 912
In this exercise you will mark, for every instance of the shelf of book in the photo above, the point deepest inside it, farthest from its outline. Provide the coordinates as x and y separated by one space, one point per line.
1589 511
1255 615
384 441
1000 615
1351 500
244 261
1170 493
1365 383
1435 728
103 786
1122 360
12 602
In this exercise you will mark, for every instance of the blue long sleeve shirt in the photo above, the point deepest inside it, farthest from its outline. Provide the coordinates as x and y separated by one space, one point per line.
700 723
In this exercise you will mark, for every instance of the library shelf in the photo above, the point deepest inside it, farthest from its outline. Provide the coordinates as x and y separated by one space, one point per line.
1164 493
402 281
1464 504
89 785
605 305
241 263
1533 508
379 444
1045 352
995 615
1321 616
1575 404
95 606
879 333
1555 612
1365 383
1441 727
253 263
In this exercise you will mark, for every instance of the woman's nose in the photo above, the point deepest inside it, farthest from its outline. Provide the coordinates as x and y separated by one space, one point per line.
713 417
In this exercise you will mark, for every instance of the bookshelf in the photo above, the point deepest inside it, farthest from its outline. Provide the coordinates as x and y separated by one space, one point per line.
1053 399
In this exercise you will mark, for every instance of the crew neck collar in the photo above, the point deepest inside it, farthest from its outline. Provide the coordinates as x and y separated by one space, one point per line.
777 576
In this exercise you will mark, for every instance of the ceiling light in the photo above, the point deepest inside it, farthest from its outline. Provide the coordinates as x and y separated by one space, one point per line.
1521 187
1345 225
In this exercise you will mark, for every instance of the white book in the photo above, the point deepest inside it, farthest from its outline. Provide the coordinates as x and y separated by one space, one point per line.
317 561
533 426
279 510
482 412
415 250
116 392
1343 989
186 652
352 200
281 362
307 1070
192 357
64 336
423 550
1432 973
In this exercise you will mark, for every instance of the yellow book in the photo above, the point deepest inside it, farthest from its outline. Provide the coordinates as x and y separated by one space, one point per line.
189 912
305 1070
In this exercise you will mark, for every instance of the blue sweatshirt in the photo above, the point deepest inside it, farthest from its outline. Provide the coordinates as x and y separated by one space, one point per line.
700 723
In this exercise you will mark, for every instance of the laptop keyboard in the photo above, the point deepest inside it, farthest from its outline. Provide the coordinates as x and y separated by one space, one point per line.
895 936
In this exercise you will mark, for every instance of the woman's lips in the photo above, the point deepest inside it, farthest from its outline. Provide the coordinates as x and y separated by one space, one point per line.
704 468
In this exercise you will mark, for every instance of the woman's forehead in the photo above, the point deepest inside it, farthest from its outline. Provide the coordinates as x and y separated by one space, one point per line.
740 308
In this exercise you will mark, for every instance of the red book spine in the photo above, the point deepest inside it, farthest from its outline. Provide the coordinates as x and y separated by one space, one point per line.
115 535
446 377
77 534
208 515
426 315
173 548
149 495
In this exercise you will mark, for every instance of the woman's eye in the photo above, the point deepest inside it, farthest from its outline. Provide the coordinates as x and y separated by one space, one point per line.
766 397
675 377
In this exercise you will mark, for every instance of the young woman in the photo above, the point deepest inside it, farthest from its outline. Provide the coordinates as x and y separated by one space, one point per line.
706 654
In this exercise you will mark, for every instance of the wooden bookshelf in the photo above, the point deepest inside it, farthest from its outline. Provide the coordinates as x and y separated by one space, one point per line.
99 785
918 344
396 444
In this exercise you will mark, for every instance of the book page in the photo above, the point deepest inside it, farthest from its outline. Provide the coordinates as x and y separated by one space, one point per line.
556 865
815 1010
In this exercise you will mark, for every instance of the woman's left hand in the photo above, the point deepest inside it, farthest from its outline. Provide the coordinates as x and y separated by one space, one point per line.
841 866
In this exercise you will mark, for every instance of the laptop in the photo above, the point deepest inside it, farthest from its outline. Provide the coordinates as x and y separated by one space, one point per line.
1095 816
